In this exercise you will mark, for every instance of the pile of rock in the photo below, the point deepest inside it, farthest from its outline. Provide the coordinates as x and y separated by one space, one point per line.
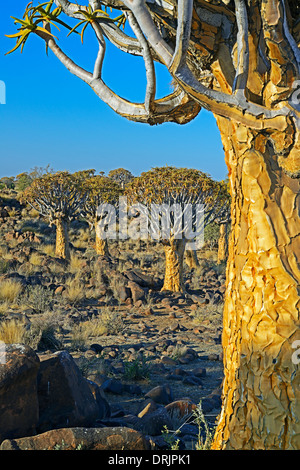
46 403
21 237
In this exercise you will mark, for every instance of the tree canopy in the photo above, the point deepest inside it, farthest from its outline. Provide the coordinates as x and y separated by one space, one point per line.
55 196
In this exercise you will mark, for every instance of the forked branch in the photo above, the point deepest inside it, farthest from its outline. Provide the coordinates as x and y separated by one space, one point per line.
185 103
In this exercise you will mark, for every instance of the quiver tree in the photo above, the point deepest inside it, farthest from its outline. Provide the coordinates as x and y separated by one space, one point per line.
241 61
121 176
99 190
58 198
176 202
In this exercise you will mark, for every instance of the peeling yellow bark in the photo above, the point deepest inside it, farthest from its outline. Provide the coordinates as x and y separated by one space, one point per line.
261 392
62 249
101 246
174 252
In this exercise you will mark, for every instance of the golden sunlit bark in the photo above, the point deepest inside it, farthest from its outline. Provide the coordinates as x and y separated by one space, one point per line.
174 252
261 390
101 246
62 249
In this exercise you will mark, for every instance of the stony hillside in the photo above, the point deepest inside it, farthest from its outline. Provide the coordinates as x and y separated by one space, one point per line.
142 350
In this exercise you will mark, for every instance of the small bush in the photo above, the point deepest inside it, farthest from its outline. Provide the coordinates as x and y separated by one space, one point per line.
205 433
38 298
112 322
4 307
42 332
107 323
138 369
4 265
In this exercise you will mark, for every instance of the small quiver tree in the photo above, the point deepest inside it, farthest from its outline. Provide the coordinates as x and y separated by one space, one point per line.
168 196
100 190
57 197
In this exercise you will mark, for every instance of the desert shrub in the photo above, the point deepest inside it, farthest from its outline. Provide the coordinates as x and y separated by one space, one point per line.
205 433
107 323
4 265
138 369
115 285
10 290
81 332
4 307
211 312
112 322
38 298
42 333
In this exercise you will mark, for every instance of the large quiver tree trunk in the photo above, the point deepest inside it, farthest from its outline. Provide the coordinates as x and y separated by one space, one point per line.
62 248
261 390
174 253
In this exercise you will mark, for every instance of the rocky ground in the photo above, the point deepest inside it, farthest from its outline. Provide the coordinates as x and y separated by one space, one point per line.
144 348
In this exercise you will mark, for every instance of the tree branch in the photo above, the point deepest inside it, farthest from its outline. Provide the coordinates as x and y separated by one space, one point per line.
150 70
101 52
241 78
249 114
185 13
233 106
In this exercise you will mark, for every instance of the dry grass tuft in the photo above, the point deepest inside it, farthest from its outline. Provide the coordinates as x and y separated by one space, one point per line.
107 323
49 250
12 331
10 290
74 292
35 259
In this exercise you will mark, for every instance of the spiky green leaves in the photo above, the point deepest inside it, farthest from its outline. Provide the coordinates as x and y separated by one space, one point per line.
91 16
38 19
31 23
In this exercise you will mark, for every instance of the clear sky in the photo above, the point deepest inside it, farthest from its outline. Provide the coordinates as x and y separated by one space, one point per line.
51 117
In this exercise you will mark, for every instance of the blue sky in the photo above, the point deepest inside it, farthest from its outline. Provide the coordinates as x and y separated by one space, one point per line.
51 117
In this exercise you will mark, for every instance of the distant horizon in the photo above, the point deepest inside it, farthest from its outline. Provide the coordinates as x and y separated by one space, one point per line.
55 170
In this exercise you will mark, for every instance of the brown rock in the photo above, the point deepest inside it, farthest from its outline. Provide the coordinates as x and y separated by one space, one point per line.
19 408
65 397
137 292
181 409
117 438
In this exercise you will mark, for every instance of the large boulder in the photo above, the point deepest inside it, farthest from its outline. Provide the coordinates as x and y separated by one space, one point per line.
142 279
19 408
117 438
66 398
137 292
